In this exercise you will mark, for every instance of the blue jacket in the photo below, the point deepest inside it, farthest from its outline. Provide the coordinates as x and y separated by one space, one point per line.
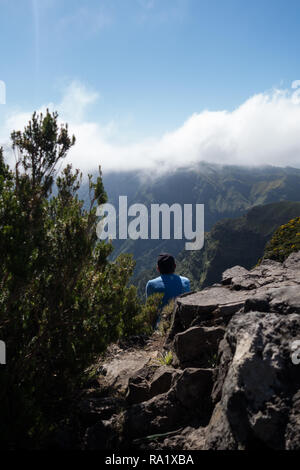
171 285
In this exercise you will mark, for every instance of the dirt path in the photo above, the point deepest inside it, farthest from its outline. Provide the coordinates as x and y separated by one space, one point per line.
121 361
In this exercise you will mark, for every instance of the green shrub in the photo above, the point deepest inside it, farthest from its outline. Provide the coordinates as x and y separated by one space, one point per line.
61 301
285 241
166 317
166 359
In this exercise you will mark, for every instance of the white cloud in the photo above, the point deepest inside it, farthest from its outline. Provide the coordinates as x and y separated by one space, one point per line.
75 101
262 130
296 84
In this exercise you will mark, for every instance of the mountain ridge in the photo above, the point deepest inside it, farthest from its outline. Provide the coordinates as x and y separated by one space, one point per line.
227 191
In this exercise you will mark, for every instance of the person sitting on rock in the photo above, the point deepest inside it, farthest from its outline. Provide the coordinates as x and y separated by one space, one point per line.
168 283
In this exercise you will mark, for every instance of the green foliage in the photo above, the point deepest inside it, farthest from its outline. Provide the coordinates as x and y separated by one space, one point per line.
286 240
61 301
152 308
166 359
166 317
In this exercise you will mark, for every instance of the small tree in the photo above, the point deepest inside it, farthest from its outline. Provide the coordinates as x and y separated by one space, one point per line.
61 301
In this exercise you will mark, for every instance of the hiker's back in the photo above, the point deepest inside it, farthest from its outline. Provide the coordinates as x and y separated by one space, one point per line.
171 285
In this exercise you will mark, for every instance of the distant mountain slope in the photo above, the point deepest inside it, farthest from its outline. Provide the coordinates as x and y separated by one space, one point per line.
226 192
233 242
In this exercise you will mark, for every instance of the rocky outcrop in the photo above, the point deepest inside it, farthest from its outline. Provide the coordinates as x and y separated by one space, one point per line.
234 382
257 385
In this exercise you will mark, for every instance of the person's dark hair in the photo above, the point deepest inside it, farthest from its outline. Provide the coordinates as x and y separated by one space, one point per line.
166 263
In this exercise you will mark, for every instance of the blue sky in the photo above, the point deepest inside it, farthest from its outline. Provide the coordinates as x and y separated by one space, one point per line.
143 68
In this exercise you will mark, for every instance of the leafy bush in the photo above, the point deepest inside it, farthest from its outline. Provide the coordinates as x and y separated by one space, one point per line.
285 241
61 301
166 317
166 359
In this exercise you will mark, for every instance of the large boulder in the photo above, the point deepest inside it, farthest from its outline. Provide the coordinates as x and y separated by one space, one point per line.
193 389
284 299
259 385
162 380
150 381
160 414
139 384
196 346
206 308
186 401
232 273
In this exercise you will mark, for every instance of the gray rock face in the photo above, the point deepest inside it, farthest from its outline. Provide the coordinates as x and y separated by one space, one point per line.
206 308
163 379
231 273
193 388
258 384
149 382
218 434
160 414
285 299
195 346
189 398
138 389
292 434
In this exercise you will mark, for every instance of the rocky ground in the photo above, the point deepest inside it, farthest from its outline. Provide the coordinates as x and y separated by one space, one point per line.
233 381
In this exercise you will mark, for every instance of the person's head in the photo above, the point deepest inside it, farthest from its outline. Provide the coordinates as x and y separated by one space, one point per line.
166 263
